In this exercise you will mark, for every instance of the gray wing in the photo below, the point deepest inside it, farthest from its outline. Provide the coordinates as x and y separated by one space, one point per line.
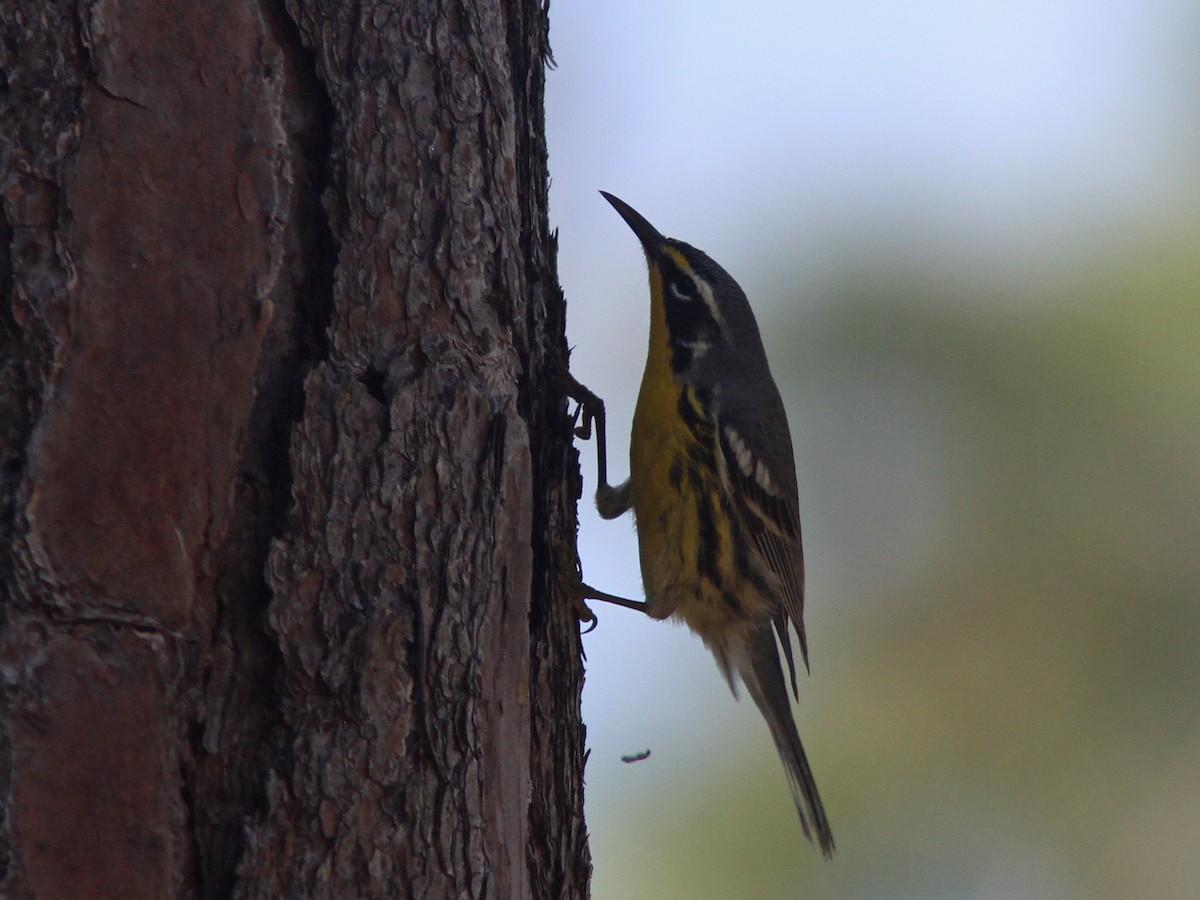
756 457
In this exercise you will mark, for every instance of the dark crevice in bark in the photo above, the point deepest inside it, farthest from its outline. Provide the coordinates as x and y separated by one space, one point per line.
314 140
12 380
6 793
8 325
28 231
373 380
39 107
244 740
198 854
13 430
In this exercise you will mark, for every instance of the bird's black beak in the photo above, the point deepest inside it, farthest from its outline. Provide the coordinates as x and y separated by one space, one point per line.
652 240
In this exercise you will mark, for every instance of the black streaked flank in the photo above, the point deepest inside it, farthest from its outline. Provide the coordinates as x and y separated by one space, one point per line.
709 549
700 455
675 476
692 410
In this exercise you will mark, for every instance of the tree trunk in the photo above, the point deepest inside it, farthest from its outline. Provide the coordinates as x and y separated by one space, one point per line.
286 480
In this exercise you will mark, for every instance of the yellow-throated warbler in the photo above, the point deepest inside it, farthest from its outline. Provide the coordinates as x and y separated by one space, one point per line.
713 489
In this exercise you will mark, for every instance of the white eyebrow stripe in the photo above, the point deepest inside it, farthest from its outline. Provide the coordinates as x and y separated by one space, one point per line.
703 290
710 301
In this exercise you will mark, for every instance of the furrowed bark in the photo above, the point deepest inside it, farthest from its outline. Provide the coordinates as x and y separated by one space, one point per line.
287 481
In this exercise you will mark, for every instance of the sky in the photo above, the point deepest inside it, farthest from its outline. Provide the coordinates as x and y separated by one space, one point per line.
989 149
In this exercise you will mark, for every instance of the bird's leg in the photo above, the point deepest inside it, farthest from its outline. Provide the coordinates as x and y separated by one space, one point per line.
610 501
587 592
590 409
581 592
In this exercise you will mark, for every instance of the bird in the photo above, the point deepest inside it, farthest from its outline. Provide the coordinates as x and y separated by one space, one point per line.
713 491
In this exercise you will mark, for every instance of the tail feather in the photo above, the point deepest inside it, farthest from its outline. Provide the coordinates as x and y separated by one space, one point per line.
762 674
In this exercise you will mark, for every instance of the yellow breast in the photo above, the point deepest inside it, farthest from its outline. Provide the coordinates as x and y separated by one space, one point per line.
689 567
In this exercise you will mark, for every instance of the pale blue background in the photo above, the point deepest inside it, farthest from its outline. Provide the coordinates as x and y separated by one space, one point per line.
989 150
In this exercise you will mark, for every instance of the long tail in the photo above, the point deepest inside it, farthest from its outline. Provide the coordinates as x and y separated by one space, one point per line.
760 671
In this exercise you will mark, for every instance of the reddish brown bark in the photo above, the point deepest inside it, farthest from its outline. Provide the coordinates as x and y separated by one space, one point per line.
286 476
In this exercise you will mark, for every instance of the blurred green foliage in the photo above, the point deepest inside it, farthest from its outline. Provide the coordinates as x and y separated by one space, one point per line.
1016 712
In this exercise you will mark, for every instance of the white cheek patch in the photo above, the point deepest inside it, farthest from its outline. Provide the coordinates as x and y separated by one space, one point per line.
697 347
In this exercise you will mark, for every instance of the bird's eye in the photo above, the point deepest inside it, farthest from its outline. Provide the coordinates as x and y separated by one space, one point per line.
683 289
